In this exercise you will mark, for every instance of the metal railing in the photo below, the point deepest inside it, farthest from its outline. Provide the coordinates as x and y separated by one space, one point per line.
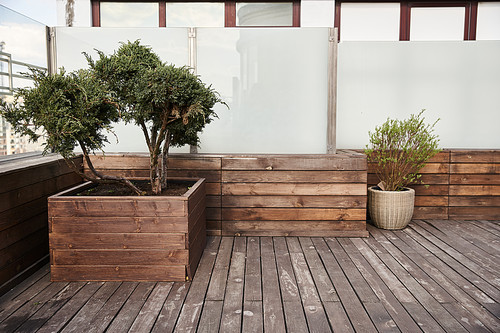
7 58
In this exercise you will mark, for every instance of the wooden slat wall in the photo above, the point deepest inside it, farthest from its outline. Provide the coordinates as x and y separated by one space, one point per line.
464 185
294 195
475 185
301 194
25 185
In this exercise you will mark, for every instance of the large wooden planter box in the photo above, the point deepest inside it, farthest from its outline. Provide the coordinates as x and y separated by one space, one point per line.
126 238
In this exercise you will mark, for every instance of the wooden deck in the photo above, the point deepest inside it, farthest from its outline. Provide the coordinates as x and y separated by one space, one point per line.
434 276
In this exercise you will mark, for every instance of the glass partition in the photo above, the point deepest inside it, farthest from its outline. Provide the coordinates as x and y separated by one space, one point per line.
170 44
275 83
455 81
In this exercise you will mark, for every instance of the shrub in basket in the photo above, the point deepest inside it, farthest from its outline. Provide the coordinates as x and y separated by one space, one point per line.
398 150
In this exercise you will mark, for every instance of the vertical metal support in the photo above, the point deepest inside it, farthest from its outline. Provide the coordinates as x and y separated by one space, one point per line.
11 79
331 135
51 50
192 63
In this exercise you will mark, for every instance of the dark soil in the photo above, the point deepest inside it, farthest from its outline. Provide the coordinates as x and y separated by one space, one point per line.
173 189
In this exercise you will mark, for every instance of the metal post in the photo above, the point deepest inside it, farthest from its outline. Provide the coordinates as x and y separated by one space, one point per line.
192 63
331 144
51 50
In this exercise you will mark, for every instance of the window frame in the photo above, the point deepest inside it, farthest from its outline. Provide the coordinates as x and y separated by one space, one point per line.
229 11
470 24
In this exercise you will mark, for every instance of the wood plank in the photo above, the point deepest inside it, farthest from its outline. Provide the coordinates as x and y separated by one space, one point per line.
431 200
120 225
430 213
475 156
297 201
294 176
360 320
36 240
45 188
50 307
14 321
427 178
118 273
22 230
274 320
96 241
296 228
101 320
117 207
453 283
292 189
91 308
136 161
471 179
217 286
483 201
119 257
295 162
253 277
68 310
313 308
252 317
23 212
30 258
232 309
293 214
191 310
165 322
210 319
35 174
472 190
325 287
474 213
129 311
151 308
473 168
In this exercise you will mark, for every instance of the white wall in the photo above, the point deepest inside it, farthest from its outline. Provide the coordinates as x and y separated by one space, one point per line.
317 13
455 81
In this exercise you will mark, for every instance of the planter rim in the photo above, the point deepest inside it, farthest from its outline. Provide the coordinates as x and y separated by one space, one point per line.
60 195
372 188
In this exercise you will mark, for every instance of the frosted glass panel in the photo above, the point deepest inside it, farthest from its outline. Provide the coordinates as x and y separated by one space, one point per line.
437 23
455 81
488 21
129 14
170 44
195 14
264 14
370 21
275 83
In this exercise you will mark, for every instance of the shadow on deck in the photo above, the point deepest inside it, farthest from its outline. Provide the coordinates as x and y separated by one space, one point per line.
432 276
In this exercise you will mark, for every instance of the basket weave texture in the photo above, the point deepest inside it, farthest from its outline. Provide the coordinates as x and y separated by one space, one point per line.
391 209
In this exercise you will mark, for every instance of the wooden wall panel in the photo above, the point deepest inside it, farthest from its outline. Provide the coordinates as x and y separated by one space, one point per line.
475 185
313 195
25 184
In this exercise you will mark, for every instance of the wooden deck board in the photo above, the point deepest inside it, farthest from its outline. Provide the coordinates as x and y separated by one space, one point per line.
434 276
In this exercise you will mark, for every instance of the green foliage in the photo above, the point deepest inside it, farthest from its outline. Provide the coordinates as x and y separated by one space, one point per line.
69 108
399 149
170 104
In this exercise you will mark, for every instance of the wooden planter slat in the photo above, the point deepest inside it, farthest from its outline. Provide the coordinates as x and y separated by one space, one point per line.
110 238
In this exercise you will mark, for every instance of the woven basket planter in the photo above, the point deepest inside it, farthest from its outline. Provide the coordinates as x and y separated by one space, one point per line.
391 209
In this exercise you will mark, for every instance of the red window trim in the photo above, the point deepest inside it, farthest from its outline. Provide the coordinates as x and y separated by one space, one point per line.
405 14
229 11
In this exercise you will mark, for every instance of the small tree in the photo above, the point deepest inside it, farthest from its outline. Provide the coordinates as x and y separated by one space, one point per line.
400 149
170 104
71 109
